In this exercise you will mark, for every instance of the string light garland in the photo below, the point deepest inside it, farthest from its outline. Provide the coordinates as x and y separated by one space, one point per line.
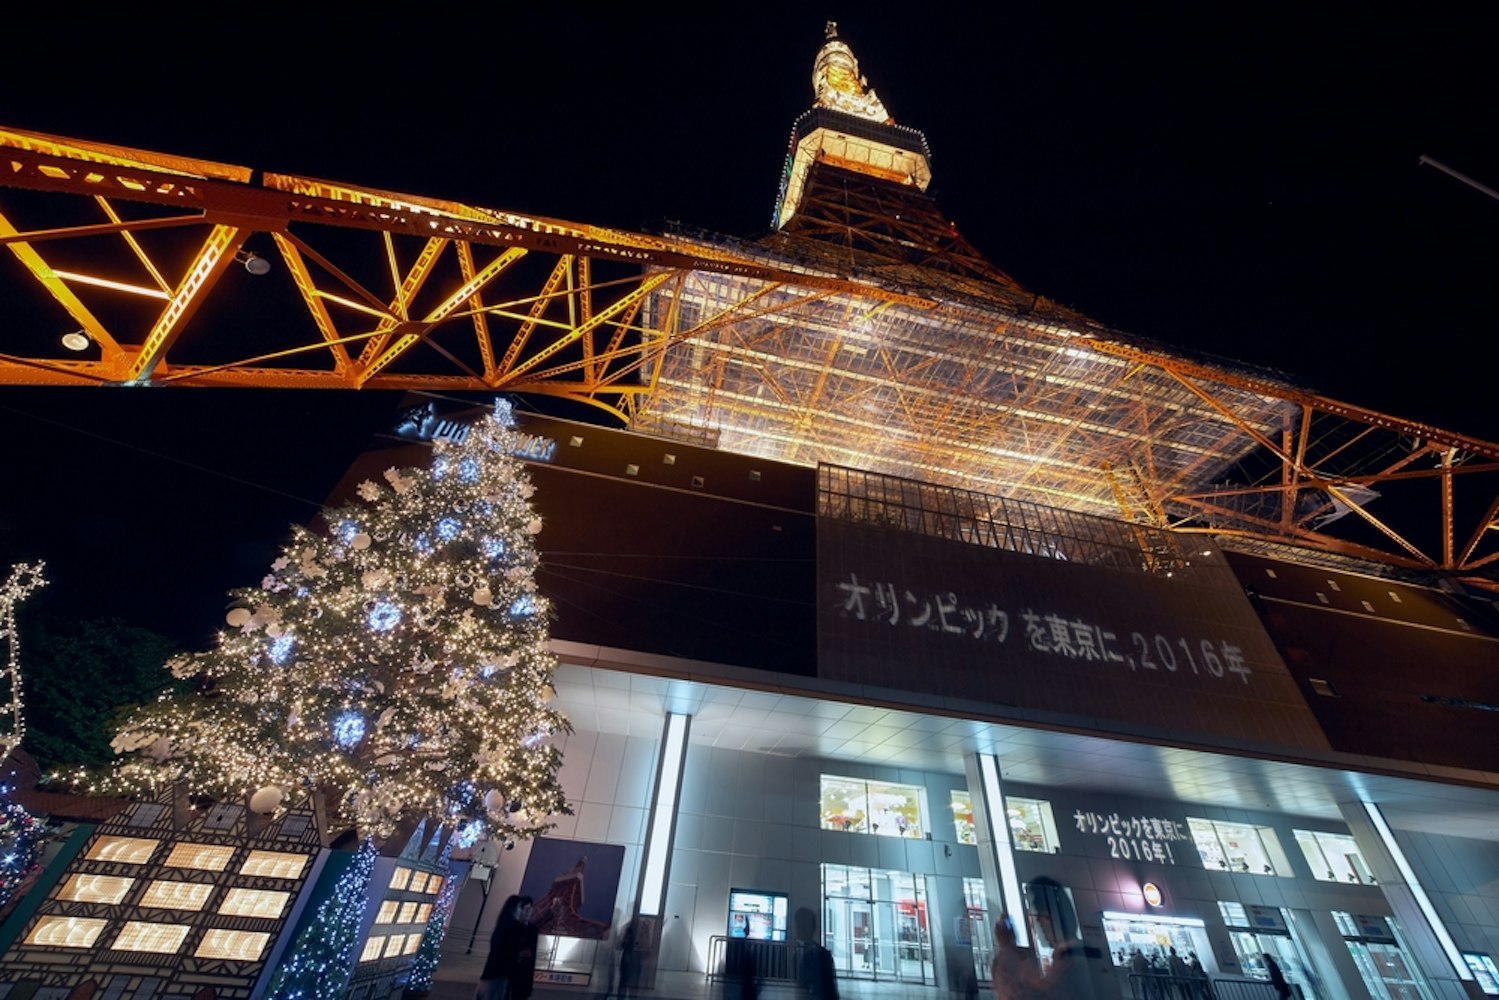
23 579
398 664
321 961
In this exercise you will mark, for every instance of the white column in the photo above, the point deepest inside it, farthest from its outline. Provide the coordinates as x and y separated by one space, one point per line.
1424 934
996 851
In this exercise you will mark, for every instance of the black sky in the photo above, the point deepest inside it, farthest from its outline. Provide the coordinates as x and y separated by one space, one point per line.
1230 178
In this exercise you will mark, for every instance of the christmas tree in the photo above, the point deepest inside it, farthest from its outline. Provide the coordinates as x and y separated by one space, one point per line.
322 960
396 662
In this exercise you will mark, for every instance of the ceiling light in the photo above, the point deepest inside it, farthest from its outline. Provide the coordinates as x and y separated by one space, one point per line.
76 341
254 263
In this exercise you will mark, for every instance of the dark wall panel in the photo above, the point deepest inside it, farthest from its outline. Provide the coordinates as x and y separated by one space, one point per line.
1125 651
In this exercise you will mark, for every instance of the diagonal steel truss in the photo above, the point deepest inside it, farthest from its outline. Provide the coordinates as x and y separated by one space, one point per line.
796 348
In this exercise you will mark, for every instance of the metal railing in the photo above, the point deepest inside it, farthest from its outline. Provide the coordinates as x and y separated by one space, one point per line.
772 961
994 522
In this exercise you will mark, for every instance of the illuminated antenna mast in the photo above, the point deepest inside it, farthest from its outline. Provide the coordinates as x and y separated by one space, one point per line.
24 578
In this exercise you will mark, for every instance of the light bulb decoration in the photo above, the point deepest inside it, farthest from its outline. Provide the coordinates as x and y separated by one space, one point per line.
400 657
24 578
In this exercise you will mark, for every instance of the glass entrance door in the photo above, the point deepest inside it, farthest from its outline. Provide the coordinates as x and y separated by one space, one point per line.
875 924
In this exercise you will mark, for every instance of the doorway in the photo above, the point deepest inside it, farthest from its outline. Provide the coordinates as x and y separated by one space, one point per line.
875 924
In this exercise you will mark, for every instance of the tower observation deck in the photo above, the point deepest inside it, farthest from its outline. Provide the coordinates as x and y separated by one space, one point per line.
864 330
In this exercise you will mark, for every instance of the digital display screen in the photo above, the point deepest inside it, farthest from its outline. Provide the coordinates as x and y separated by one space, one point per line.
759 916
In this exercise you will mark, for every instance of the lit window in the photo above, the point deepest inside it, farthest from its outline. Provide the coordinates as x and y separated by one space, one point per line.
400 878
267 903
878 807
168 895
413 942
434 884
408 913
1237 847
387 914
163 939
233 946
1031 825
395 945
372 948
1334 857
424 913
95 889
66 932
124 850
274 864
208 857
962 817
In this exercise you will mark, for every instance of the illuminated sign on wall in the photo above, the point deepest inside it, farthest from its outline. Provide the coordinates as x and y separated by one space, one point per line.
1100 641
1152 893
1133 838
421 423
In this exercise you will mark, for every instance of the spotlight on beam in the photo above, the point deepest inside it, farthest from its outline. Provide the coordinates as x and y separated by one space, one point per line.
76 341
254 263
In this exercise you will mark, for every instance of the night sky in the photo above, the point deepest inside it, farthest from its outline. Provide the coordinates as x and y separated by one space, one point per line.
1240 180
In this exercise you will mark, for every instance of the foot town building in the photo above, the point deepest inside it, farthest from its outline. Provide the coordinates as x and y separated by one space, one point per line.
907 589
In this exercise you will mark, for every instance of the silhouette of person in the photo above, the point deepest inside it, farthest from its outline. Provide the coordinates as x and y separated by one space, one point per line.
1013 970
513 936
629 960
1178 969
815 972
1277 978
1068 977
743 980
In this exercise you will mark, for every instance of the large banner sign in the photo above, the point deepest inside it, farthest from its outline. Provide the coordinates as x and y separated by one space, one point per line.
1151 653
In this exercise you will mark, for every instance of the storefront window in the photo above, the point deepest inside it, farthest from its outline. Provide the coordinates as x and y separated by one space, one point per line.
1334 857
1374 942
962 817
882 808
1237 847
1031 825
1484 972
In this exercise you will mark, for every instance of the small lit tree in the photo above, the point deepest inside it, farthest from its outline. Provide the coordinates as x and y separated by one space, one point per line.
396 661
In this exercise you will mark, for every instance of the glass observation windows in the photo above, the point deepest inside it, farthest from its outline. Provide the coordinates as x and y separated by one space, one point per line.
122 850
165 894
274 864
1334 857
1031 824
1238 847
94 889
883 808
161 939
207 857
962 818
232 946
66 932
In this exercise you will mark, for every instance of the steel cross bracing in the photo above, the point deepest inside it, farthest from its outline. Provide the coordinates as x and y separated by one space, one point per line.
791 348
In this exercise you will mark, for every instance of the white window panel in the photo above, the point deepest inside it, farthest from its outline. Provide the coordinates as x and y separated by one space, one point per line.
274 864
86 888
162 939
125 850
169 895
233 946
66 932
205 857
268 903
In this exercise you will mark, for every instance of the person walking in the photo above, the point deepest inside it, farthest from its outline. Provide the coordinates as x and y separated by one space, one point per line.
1013 970
512 953
1277 978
